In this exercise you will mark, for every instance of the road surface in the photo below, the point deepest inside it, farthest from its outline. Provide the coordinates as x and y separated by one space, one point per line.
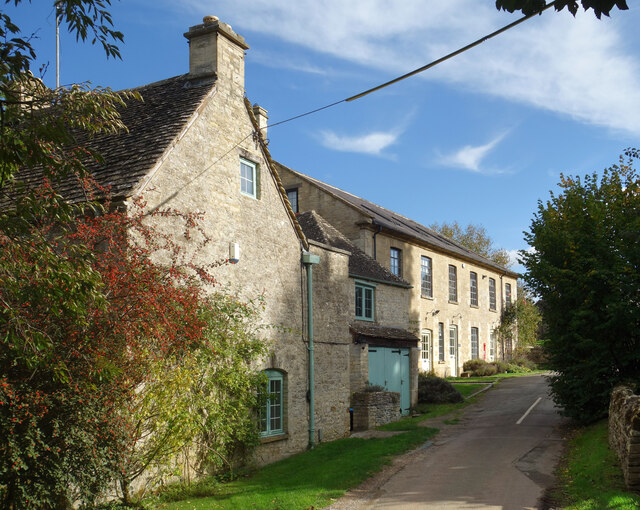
500 456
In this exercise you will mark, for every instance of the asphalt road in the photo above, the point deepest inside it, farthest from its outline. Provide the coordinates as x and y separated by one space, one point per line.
501 455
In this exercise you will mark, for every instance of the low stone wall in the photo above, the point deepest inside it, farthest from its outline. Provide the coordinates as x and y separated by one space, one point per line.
624 433
374 408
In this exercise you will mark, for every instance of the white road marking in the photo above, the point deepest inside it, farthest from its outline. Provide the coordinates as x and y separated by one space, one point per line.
528 411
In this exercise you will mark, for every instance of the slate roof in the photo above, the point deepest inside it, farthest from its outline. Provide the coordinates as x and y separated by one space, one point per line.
400 224
315 227
382 335
153 124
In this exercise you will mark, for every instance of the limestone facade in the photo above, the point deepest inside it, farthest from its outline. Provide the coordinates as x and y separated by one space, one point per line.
446 325
201 171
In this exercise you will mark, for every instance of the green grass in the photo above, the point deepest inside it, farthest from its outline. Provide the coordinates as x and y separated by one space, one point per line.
314 478
590 477
467 389
496 377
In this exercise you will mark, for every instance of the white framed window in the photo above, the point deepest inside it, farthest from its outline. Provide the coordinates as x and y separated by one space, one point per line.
248 178
507 293
474 343
441 341
492 294
272 410
365 301
426 277
453 284
473 288
395 264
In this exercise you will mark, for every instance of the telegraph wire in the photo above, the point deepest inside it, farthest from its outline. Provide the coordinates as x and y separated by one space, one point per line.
383 85
420 69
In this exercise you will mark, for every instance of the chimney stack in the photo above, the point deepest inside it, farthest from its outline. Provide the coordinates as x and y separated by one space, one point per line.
216 50
262 118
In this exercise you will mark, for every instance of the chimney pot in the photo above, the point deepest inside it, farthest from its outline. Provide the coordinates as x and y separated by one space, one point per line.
209 19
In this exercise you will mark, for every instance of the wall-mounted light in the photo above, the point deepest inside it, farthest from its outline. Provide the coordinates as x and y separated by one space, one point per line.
234 253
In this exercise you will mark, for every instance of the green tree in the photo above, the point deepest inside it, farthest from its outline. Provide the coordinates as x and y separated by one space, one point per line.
522 319
585 266
475 238
599 7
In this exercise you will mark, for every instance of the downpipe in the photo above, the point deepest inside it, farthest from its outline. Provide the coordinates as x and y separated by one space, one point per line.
309 260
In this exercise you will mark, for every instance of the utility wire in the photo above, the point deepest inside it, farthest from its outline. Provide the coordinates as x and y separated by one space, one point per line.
420 69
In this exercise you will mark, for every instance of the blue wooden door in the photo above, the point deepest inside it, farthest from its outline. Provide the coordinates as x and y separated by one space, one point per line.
389 368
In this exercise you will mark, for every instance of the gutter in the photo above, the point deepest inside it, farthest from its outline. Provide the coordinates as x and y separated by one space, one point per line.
309 260
375 250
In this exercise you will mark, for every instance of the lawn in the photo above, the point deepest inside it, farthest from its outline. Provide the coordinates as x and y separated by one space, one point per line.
467 389
590 477
314 478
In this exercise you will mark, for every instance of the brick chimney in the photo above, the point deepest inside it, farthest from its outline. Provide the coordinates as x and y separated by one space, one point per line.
216 50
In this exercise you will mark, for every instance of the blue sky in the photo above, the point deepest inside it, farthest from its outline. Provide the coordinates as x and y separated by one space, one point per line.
479 139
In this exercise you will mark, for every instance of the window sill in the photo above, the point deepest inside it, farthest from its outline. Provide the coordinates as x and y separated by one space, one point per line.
474 306
430 298
453 302
364 319
493 310
274 438
442 362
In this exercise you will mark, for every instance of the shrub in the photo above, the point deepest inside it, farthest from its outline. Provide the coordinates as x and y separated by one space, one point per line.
473 364
485 370
435 390
479 368
501 366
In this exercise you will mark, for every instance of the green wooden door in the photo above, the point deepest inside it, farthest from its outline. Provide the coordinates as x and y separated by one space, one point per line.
389 368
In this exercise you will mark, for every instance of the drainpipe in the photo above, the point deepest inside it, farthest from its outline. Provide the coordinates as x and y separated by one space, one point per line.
375 251
309 260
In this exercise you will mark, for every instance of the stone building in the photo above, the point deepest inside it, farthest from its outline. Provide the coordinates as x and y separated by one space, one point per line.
457 296
196 144
383 351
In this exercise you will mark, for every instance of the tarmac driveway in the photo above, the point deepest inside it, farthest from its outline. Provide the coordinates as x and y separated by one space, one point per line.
501 455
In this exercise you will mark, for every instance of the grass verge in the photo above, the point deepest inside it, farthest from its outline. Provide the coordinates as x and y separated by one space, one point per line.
467 389
311 479
590 477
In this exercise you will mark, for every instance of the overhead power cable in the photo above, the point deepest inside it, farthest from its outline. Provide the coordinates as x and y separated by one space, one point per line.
420 69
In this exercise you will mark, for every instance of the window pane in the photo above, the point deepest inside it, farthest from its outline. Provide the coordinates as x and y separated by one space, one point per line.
425 277
396 261
474 343
441 341
507 292
492 294
368 303
292 195
453 283
247 178
473 285
453 340
358 301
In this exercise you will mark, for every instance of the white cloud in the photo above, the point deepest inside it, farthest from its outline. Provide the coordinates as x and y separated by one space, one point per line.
579 67
371 143
470 157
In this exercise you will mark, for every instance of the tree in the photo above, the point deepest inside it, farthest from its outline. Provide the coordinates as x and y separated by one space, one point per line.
527 7
521 318
585 267
475 238
95 301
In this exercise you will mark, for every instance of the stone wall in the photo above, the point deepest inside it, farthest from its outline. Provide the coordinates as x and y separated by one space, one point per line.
374 408
624 433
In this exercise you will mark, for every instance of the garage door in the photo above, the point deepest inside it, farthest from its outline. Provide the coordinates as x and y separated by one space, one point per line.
389 367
